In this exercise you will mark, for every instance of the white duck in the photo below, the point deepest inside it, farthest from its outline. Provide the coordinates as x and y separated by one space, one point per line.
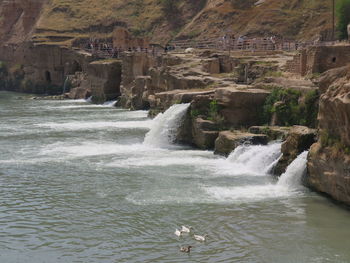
186 229
178 232
200 238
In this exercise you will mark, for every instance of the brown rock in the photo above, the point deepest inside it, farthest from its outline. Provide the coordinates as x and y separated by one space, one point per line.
211 66
273 132
299 139
104 77
204 133
329 158
166 99
79 93
329 172
241 106
228 141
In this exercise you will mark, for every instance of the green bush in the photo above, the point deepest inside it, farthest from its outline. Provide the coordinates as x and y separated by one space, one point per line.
343 15
285 103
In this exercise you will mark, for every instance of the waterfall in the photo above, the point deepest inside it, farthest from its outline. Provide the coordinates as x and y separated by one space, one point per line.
165 126
294 173
256 159
65 85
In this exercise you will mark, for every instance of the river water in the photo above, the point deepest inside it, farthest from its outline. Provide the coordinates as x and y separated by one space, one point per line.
79 184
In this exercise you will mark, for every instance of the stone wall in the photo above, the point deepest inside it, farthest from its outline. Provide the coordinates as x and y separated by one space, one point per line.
319 59
44 69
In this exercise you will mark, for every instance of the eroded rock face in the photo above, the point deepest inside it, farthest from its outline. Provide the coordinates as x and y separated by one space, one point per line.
228 141
204 133
329 158
273 132
241 106
165 99
44 67
299 139
329 172
104 78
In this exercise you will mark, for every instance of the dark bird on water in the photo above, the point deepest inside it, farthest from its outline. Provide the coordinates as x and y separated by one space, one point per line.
186 249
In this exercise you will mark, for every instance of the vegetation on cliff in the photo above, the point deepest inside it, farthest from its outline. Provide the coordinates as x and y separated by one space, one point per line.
291 107
343 13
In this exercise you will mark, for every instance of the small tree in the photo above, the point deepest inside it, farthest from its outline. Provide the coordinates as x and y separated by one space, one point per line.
343 15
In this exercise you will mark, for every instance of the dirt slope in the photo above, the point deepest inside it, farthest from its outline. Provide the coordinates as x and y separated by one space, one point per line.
162 20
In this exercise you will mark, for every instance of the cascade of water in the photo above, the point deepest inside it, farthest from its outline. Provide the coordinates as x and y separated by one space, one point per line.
165 126
258 159
111 103
294 173
65 85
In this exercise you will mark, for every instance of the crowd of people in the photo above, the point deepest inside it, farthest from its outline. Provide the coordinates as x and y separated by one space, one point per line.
108 50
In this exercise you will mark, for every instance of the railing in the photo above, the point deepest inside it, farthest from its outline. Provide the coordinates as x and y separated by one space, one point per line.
106 51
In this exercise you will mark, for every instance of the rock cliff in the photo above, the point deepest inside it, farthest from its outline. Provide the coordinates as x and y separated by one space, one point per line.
329 158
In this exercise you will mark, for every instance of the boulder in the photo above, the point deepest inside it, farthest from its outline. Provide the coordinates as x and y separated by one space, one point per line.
166 99
241 105
204 133
79 93
273 132
230 140
299 139
329 172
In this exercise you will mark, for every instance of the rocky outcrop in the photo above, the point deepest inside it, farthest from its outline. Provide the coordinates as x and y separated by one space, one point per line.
329 172
204 133
44 67
135 83
164 100
329 158
230 140
241 105
272 132
104 78
299 139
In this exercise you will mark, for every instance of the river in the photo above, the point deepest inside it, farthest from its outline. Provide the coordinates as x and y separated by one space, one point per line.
79 184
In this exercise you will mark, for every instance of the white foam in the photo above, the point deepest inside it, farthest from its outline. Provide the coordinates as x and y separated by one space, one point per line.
79 125
291 179
165 126
247 193
111 103
164 161
254 160
93 149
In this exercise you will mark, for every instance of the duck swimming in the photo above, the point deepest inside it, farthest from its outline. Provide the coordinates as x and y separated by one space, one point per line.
186 229
186 249
200 238
178 232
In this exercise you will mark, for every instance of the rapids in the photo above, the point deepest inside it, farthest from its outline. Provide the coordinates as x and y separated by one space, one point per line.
94 183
